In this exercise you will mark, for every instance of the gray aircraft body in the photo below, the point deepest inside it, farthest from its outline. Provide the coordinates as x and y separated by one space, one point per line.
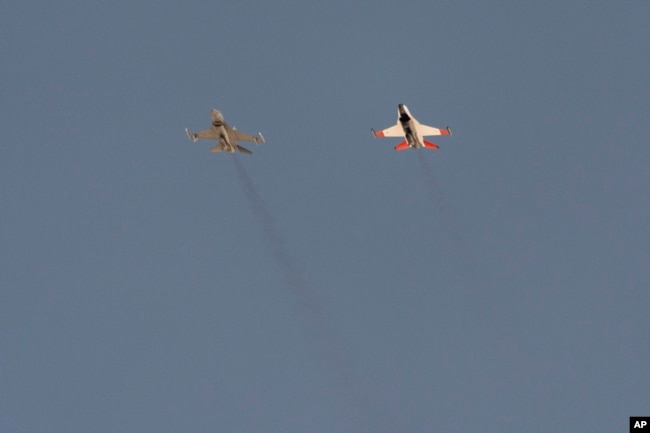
226 135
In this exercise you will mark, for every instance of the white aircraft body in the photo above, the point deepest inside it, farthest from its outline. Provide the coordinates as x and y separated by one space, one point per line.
412 131
226 135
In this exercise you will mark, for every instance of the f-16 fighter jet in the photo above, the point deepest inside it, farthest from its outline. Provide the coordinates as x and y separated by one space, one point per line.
225 134
411 130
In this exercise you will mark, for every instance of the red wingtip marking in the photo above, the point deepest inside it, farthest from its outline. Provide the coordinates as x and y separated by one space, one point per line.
379 134
430 145
445 132
403 145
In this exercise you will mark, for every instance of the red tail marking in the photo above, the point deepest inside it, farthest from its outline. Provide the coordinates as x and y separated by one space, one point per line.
403 145
430 145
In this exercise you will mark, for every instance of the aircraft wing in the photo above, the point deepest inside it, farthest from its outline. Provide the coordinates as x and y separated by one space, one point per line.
241 136
393 131
207 133
425 130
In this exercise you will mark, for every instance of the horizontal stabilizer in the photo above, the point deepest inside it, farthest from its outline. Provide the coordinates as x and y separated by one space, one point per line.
218 148
242 149
430 145
402 146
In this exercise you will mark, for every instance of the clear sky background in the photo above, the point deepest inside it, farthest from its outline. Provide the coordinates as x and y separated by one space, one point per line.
326 283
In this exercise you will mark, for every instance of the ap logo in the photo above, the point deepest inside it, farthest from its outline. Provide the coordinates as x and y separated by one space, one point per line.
640 424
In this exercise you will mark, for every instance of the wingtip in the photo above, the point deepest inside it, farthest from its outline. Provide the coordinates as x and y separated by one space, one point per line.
190 135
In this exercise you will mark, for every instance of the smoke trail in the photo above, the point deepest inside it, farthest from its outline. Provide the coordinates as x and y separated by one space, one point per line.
441 202
293 275
326 339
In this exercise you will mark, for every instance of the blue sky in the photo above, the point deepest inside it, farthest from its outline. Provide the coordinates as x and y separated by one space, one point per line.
326 283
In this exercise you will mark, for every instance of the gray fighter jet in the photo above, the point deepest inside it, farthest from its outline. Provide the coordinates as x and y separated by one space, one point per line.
225 134
412 131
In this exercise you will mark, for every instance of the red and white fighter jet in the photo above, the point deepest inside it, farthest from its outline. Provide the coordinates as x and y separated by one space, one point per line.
412 130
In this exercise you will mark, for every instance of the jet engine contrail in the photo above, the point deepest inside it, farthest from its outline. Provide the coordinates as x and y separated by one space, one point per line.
441 202
326 338
293 275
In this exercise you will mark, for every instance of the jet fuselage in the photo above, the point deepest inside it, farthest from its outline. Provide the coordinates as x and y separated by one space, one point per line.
219 126
410 131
